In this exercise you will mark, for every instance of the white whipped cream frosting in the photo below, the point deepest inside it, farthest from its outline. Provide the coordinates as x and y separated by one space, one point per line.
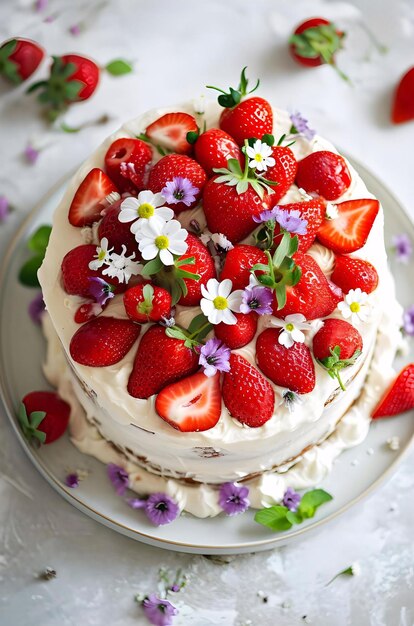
232 451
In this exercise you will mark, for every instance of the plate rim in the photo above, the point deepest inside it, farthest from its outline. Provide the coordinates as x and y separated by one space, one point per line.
69 496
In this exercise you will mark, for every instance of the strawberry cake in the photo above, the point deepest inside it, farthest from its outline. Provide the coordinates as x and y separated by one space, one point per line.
219 306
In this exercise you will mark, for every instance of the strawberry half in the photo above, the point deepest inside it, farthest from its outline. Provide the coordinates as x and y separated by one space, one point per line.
399 397
239 262
325 173
170 132
127 162
351 273
19 59
240 334
86 206
292 368
192 404
283 172
43 416
403 105
349 231
248 396
145 303
177 166
103 341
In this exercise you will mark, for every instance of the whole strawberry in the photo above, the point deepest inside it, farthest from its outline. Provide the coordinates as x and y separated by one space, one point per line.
43 416
403 104
160 360
292 367
238 263
145 303
19 59
127 163
239 334
244 119
283 172
103 341
351 273
76 272
313 211
203 267
213 148
248 396
399 398
337 345
180 179
325 173
89 198
73 78
117 233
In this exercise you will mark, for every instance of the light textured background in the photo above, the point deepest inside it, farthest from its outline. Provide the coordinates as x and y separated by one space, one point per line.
178 46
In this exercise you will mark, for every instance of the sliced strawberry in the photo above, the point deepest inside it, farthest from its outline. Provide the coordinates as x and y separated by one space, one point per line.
127 163
349 231
214 148
399 398
192 404
118 233
248 396
240 334
103 341
403 105
351 273
283 172
145 303
325 173
292 367
170 132
313 211
86 205
52 425
239 262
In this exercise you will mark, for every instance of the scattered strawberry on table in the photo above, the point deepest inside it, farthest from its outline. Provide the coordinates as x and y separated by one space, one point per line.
19 59
403 103
43 416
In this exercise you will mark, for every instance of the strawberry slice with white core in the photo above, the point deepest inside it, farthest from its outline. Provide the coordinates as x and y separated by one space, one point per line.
192 404
349 231
87 203
170 132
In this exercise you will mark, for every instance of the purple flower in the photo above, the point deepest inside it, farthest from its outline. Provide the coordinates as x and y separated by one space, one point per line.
4 208
136 503
403 247
75 30
158 611
291 499
408 321
180 189
161 509
100 290
257 299
291 221
118 477
175 588
36 308
31 154
72 480
300 125
214 357
266 216
41 5
233 499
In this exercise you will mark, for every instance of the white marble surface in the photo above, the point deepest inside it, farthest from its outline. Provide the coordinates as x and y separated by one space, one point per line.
178 46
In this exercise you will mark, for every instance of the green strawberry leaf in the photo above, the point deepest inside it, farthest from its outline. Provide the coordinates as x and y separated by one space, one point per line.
152 267
119 67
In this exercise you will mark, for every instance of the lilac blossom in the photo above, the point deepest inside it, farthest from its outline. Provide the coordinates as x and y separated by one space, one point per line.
403 248
36 308
266 216
161 509
118 477
233 499
408 321
300 125
100 290
291 499
214 357
41 5
75 30
4 208
72 480
31 154
180 189
136 503
158 611
258 299
291 222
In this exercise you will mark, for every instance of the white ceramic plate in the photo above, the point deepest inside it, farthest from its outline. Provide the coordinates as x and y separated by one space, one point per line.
22 347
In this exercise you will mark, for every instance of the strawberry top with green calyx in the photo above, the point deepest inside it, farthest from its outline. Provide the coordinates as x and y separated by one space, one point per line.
171 277
30 424
334 364
194 335
234 96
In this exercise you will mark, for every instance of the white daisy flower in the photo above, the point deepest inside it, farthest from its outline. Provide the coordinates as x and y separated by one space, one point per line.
103 255
141 209
292 325
260 156
162 238
355 306
122 267
218 301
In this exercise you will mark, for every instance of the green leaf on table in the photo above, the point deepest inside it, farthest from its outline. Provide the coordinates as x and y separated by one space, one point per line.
119 67
40 238
311 501
28 271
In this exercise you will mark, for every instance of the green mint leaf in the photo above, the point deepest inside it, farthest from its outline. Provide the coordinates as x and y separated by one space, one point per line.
28 271
311 501
119 67
40 238
294 517
274 517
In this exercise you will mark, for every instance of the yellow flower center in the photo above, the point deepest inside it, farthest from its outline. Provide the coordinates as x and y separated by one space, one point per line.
220 303
289 327
355 307
258 157
161 242
146 210
101 255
